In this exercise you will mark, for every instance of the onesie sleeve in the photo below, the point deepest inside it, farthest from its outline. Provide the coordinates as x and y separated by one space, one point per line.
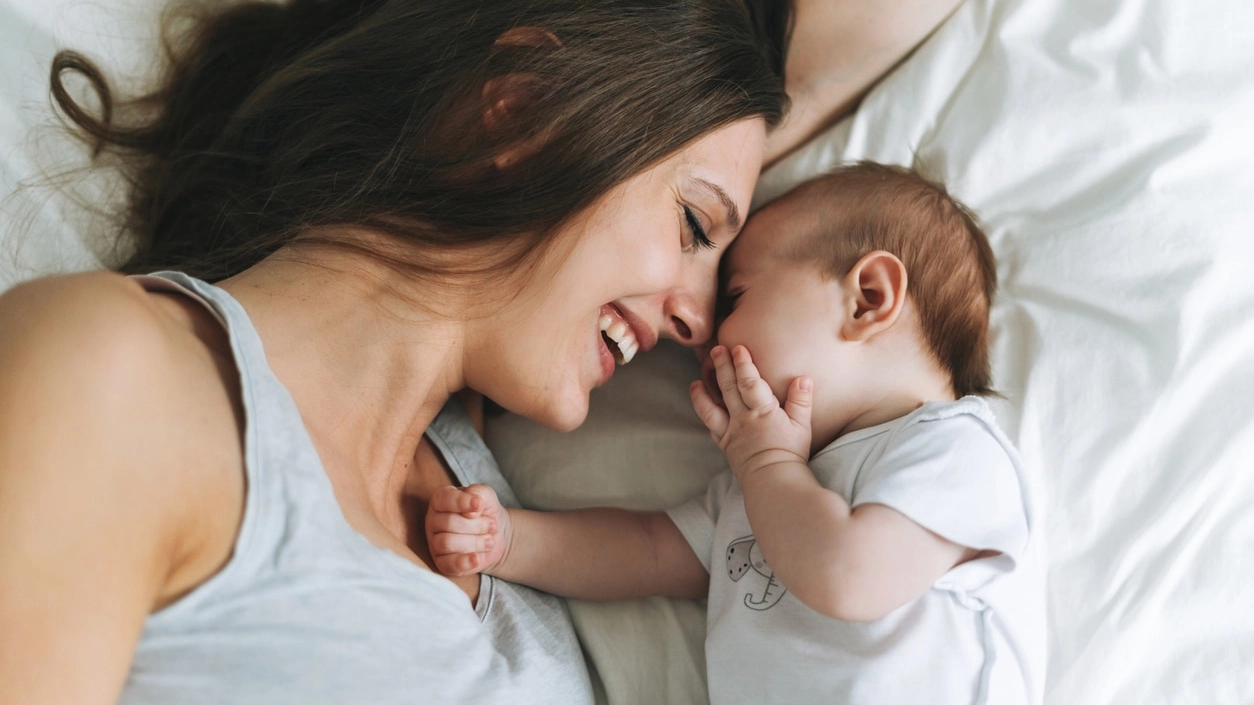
954 477
697 517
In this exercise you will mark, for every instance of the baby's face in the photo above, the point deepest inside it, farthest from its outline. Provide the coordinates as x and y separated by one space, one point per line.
786 313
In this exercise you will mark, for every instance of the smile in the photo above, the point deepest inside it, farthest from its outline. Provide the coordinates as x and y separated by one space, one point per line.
619 338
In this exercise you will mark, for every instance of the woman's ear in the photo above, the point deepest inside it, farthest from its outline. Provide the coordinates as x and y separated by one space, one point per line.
527 38
876 288
505 98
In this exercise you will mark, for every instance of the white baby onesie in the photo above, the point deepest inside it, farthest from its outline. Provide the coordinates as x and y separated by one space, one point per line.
976 636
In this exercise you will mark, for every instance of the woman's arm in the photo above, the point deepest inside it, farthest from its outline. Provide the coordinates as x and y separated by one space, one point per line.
837 51
592 554
97 497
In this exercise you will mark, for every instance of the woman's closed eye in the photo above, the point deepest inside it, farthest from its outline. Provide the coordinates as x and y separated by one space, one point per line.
698 239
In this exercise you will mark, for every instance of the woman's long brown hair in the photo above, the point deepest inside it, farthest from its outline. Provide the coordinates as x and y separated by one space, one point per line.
282 122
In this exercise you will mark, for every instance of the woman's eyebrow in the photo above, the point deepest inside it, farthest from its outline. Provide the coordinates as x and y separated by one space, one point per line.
733 213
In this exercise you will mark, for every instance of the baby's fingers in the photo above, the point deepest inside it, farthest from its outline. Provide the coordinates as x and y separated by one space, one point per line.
455 564
456 500
754 390
725 371
711 414
800 401
460 523
445 544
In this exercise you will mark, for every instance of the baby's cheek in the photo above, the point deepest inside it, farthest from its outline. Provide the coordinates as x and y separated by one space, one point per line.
777 369
731 332
768 366
756 338
777 383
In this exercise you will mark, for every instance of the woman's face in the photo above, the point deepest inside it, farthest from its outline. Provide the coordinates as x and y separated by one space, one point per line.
641 264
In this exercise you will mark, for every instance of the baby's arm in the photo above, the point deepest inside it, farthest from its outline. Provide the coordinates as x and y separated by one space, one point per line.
593 554
855 565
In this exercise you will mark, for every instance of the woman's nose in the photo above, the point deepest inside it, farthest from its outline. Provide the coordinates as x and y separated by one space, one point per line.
690 312
691 329
687 334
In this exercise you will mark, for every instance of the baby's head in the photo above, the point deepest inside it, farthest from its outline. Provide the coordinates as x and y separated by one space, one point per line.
873 281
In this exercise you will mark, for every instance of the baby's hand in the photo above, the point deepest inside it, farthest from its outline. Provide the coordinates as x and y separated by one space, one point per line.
708 378
467 529
750 426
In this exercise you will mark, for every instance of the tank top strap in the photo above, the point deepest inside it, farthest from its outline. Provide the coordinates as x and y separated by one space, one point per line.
290 507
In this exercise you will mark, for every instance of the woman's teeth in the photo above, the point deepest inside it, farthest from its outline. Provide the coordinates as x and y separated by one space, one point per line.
620 339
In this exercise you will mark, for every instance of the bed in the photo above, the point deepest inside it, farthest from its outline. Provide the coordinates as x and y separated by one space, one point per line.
1108 146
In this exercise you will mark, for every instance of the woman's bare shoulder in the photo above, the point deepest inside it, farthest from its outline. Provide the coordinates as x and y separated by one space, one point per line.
107 396
79 342
121 483
59 319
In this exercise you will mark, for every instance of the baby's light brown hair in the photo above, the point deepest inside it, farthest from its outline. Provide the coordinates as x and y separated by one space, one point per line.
950 269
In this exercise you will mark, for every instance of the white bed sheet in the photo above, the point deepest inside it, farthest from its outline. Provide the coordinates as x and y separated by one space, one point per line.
1107 145
42 228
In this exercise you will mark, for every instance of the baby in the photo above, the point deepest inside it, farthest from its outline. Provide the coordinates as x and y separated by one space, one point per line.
870 542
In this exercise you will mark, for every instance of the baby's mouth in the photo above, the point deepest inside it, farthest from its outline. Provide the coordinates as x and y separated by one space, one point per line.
619 338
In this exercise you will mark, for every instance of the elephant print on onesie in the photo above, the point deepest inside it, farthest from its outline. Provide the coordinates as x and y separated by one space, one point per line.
743 555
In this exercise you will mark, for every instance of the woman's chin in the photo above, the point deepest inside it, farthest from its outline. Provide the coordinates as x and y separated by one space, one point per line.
561 412
568 420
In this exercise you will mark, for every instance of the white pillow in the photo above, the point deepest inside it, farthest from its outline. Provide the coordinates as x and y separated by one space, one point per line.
46 227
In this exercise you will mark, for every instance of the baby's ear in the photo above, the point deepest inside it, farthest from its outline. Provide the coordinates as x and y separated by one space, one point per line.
876 289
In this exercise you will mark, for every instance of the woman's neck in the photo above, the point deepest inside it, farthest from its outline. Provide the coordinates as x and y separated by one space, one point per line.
368 371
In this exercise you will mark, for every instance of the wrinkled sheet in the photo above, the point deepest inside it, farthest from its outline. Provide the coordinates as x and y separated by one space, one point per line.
48 222
1108 147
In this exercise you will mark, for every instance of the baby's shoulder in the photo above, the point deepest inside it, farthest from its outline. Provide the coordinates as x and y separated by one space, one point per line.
954 449
965 427
951 469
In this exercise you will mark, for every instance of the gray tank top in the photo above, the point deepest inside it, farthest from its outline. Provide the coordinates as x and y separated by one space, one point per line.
308 611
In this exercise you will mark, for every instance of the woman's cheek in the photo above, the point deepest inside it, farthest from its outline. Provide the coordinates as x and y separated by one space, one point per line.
646 258
659 269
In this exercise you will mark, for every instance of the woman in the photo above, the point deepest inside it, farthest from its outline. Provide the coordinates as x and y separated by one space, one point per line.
215 493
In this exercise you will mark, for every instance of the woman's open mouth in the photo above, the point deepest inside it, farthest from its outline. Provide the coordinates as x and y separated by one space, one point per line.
618 335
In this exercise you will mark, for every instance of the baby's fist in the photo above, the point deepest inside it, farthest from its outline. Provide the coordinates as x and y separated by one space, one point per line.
467 529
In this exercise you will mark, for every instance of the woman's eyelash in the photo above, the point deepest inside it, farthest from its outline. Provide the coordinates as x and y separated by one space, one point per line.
699 238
